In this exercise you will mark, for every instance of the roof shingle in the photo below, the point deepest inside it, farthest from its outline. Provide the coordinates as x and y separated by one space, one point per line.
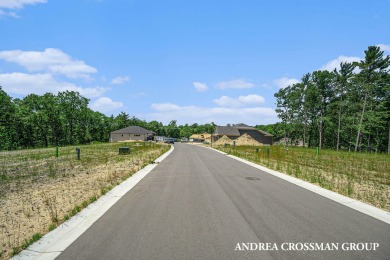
227 130
133 130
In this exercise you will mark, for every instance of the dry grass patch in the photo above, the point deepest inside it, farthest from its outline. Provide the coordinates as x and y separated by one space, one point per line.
39 191
362 176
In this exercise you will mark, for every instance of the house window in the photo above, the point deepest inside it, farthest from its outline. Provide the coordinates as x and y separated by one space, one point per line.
122 135
137 135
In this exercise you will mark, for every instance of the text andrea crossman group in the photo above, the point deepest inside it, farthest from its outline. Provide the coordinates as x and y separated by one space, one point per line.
307 246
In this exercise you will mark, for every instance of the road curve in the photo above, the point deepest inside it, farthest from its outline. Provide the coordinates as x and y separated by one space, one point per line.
199 204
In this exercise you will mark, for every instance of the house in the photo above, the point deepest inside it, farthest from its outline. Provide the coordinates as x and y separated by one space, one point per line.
200 138
235 131
131 133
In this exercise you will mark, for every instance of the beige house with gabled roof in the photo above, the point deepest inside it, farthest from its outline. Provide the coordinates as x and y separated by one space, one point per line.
131 133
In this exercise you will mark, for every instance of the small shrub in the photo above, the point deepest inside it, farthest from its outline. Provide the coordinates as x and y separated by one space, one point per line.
85 203
75 210
93 199
105 190
52 227
27 243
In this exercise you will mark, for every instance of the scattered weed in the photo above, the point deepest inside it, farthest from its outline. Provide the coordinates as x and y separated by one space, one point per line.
52 227
93 199
347 173
27 243
85 204
34 170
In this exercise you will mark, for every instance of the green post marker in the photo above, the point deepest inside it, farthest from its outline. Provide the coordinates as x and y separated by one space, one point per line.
78 151
267 151
318 151
56 151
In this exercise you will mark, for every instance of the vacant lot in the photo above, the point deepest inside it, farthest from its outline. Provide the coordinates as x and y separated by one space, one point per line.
362 176
38 191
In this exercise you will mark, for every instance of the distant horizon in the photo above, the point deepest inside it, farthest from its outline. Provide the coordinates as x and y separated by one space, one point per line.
219 61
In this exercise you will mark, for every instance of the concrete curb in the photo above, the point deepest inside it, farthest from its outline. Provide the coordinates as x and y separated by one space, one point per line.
53 243
346 201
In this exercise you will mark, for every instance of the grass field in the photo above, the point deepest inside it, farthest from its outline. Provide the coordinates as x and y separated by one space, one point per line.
362 176
38 191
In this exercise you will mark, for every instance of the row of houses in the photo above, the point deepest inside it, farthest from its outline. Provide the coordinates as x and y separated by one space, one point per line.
138 133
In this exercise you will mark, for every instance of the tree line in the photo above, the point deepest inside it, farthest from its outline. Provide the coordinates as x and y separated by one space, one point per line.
344 109
65 119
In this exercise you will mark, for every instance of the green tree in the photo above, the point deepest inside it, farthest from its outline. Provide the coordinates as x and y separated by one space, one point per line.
343 81
372 72
7 127
72 105
122 120
322 80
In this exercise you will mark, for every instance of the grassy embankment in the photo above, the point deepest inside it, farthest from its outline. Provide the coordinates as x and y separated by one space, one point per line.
362 176
39 191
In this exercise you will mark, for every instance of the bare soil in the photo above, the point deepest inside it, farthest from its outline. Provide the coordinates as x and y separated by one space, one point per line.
223 140
246 139
36 205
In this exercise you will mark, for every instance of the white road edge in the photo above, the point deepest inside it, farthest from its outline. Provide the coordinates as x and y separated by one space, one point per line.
346 201
53 243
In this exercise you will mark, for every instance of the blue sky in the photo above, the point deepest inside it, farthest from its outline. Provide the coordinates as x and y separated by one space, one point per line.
192 61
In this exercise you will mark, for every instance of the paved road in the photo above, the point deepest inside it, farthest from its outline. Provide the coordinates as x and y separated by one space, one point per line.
198 204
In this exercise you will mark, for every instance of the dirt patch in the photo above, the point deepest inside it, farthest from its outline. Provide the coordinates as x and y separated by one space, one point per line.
223 140
205 137
246 139
36 205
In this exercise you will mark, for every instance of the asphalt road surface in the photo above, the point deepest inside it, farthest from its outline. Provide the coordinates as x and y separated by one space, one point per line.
200 204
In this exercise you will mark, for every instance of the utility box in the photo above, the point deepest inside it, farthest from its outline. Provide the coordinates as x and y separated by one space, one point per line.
124 150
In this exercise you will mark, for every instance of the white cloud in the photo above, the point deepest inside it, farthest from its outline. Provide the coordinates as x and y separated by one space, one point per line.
384 47
200 87
89 92
24 84
119 80
251 99
16 4
226 101
335 64
50 60
241 101
105 105
330 66
285 82
218 115
235 84
165 107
